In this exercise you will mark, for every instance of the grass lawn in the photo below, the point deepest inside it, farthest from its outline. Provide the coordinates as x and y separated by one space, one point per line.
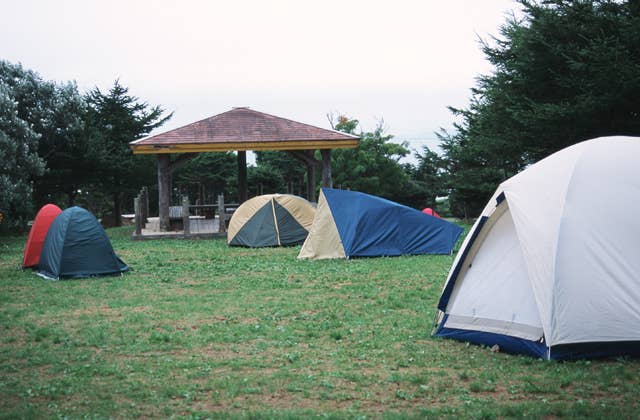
199 329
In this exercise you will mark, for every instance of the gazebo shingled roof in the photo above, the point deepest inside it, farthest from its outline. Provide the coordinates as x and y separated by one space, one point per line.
243 129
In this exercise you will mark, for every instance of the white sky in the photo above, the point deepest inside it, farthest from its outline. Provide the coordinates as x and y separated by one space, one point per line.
403 61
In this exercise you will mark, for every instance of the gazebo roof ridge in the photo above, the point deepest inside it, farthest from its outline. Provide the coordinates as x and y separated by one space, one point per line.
186 125
296 122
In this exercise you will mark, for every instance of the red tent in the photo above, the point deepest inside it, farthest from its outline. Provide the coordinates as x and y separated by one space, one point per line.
431 212
46 215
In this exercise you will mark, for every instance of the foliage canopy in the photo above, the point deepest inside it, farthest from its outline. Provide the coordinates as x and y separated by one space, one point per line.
564 71
32 113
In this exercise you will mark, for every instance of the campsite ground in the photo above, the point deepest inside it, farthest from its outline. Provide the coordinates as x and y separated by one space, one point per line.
199 329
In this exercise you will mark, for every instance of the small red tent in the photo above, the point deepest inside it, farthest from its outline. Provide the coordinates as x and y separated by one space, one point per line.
46 215
431 212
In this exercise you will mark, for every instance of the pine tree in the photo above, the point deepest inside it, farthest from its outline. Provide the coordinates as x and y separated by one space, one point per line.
115 119
564 72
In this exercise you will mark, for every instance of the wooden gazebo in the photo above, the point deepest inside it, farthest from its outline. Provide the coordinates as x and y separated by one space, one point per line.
241 129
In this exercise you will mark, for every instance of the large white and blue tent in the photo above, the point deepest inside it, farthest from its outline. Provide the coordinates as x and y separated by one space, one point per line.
354 224
551 268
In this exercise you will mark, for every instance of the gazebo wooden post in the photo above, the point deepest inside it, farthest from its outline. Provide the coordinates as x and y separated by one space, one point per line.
311 176
222 223
138 215
185 215
164 190
242 176
327 182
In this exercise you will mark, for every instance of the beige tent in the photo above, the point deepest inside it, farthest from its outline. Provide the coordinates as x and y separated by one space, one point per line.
271 220
324 240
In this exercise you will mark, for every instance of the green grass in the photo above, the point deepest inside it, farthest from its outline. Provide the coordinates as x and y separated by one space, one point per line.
200 330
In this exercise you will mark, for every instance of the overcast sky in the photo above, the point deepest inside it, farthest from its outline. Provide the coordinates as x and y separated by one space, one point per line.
401 61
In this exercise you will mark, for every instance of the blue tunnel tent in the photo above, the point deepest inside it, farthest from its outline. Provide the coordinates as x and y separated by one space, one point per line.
77 246
353 224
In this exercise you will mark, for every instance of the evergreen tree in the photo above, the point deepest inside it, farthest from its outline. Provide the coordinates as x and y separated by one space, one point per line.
290 171
564 72
265 178
117 118
430 177
207 175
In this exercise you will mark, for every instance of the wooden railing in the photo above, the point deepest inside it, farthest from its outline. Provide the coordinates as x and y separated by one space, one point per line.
181 213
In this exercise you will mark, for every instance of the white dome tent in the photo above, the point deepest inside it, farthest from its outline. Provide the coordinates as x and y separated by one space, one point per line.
552 266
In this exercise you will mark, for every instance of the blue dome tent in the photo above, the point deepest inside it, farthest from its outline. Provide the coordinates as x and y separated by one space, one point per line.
77 246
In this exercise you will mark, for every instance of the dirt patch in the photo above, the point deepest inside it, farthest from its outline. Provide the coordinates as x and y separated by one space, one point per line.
341 285
307 313
248 321
102 310
222 353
